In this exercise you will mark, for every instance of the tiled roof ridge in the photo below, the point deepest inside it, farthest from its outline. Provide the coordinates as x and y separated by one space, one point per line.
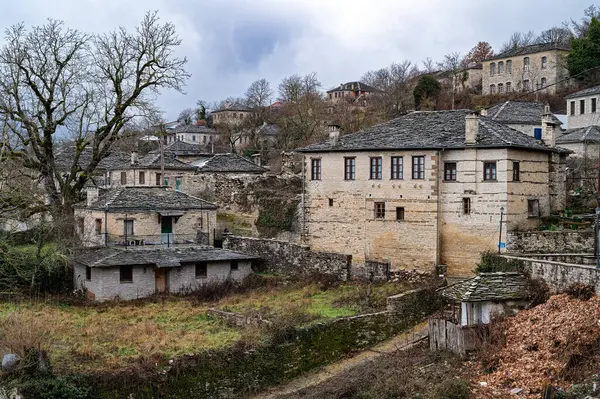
499 136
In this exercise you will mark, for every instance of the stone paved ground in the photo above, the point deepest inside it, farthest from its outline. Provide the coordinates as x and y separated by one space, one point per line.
399 342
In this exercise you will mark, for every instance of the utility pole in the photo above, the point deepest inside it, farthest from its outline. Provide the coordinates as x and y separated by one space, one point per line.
162 154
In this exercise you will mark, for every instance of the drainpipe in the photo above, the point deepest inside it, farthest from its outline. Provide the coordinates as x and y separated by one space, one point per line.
303 233
439 210
105 227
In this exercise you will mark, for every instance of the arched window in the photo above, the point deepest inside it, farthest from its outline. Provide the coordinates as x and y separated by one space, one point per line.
526 85
526 64
509 67
500 67
544 62
492 89
492 69
500 88
234 115
508 87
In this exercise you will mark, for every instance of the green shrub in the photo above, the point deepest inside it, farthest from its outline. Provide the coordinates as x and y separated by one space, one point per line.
491 262
50 388
581 291
453 389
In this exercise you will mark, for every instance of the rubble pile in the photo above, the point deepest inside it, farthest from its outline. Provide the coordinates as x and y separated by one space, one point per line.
544 344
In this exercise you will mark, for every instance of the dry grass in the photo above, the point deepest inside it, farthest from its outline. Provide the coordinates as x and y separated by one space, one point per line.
149 333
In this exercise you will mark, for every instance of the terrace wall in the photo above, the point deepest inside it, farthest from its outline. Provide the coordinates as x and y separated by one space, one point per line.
551 242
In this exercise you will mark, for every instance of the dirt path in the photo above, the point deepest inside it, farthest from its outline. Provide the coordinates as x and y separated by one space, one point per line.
399 342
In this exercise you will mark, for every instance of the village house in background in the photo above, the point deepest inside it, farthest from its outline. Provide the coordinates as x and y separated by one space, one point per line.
527 68
351 91
127 273
234 113
582 108
428 189
524 116
194 134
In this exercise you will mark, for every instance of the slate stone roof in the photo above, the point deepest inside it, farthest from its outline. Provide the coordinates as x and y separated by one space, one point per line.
585 92
499 286
153 161
146 198
158 257
229 163
430 130
521 112
269 130
181 148
234 107
353 86
531 49
198 129
65 154
580 135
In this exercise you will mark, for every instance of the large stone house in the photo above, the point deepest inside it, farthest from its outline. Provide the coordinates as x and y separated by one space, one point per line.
534 67
524 116
351 91
582 108
193 134
143 216
428 188
126 273
233 114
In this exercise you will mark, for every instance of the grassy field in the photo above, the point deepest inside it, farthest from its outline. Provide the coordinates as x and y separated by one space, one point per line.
117 335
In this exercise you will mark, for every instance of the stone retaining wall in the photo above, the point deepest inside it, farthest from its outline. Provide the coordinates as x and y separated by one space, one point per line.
291 259
566 241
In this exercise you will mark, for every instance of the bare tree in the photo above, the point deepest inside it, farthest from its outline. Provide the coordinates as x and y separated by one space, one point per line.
555 35
59 79
518 39
259 94
295 87
395 97
187 116
452 64
428 65
580 29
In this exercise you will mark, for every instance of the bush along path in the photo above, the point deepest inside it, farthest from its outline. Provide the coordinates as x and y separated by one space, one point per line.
401 341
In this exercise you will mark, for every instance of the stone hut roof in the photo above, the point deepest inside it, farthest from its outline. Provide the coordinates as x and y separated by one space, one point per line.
65 154
589 134
531 49
234 107
229 163
146 198
519 112
154 257
353 86
500 286
181 148
198 129
430 130
153 161
585 92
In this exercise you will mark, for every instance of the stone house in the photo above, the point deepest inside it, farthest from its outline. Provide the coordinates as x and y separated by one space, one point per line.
231 114
351 91
144 216
428 189
538 66
584 142
479 299
187 152
582 108
193 134
127 273
524 116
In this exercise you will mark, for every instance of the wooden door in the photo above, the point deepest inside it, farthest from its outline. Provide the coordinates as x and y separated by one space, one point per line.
160 280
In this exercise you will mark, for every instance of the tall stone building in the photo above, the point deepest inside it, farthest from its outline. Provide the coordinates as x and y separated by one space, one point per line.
428 188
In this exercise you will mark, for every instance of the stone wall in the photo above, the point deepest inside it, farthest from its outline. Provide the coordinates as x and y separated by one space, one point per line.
559 276
566 241
292 259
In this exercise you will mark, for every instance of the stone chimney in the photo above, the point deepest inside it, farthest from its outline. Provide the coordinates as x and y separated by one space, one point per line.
91 195
483 112
334 134
257 159
471 128
548 127
134 158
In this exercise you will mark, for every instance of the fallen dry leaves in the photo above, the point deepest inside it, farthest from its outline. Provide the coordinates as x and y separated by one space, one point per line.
540 342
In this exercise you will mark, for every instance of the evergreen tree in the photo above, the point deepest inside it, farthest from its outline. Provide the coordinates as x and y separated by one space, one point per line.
585 54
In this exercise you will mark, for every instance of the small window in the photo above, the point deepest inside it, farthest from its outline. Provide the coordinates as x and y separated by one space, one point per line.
380 210
204 139
489 171
492 89
492 69
544 62
500 68
376 164
537 133
234 264
572 106
399 213
508 87
349 168
315 169
533 207
516 171
397 168
526 85
330 201
193 138
126 274
526 64
450 171
142 178
88 273
593 108
158 179
543 82
98 226
581 107
80 225
201 269
466 206
509 67
123 178
418 171
166 183
500 88
128 227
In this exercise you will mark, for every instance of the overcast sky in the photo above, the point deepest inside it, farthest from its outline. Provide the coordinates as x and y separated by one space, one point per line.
231 43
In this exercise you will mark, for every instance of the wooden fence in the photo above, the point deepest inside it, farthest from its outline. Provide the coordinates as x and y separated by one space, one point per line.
446 335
